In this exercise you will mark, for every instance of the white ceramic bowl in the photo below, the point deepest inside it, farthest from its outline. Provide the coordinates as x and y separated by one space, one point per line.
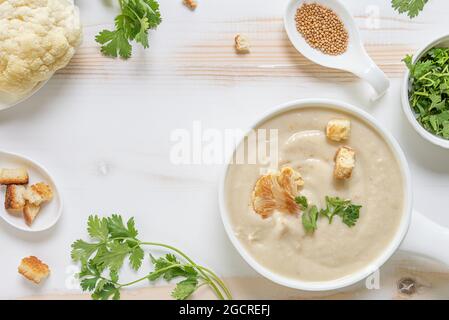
8 100
50 212
409 113
374 265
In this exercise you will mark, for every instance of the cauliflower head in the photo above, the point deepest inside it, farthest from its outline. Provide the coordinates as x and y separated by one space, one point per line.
37 38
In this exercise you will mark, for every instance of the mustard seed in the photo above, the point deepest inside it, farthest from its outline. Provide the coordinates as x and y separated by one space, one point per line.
322 29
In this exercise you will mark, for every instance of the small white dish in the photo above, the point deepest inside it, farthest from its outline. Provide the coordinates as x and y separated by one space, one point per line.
442 41
355 60
9 100
50 212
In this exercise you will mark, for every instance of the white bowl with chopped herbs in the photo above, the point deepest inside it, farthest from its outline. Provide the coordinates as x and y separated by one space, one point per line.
425 91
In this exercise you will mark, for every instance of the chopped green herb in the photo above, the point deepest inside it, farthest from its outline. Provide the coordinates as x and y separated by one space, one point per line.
348 212
429 90
302 201
115 242
310 218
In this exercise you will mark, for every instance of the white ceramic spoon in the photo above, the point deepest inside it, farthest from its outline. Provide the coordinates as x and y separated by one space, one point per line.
354 60
50 212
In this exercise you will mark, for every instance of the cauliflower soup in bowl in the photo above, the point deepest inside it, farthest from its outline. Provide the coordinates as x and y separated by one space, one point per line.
299 222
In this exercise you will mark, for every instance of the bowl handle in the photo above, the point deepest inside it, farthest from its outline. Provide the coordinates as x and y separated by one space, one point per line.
427 238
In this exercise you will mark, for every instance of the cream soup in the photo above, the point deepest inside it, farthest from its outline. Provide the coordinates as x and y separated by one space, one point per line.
279 242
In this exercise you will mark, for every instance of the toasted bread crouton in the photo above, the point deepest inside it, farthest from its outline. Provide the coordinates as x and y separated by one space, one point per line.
338 129
191 4
38 193
30 212
13 176
14 197
344 163
35 196
241 44
33 269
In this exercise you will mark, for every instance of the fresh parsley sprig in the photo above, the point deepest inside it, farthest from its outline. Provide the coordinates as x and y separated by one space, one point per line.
411 7
136 18
114 242
309 214
345 209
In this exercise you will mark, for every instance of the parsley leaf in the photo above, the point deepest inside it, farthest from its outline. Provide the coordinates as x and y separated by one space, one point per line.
169 267
302 201
411 7
118 229
137 17
185 288
114 256
136 258
82 250
114 43
97 228
107 291
348 212
429 90
309 219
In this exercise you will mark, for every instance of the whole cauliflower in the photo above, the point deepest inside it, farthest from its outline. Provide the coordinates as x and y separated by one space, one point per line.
37 38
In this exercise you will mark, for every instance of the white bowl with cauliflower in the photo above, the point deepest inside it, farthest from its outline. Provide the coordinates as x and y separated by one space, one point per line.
37 38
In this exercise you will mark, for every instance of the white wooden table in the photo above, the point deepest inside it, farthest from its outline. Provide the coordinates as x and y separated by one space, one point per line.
103 126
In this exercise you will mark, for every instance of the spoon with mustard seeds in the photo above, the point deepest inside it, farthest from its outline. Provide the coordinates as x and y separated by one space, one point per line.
325 33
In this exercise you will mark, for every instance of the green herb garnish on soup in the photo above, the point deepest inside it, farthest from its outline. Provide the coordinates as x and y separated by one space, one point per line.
345 209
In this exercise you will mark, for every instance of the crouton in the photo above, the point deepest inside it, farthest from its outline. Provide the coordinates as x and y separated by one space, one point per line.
30 212
338 129
14 197
38 193
13 176
35 196
33 269
344 163
241 44
191 4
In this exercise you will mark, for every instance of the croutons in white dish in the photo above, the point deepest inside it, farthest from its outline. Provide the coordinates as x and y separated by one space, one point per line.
28 199
32 203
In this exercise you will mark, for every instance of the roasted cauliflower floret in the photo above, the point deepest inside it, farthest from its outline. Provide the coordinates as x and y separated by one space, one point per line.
37 38
277 191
